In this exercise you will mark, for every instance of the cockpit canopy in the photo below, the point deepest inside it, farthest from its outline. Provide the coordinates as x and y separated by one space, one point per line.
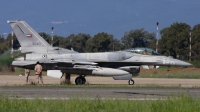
142 50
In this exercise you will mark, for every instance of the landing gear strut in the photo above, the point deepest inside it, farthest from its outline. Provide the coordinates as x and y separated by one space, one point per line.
131 82
80 80
67 78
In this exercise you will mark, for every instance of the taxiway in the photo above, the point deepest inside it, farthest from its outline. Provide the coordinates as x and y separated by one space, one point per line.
14 87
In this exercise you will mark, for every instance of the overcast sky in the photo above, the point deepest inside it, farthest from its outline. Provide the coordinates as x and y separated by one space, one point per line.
94 16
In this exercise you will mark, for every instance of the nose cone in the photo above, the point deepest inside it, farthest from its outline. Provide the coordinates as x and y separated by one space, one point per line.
181 63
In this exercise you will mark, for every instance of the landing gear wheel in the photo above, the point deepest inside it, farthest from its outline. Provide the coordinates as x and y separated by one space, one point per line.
131 82
84 80
80 80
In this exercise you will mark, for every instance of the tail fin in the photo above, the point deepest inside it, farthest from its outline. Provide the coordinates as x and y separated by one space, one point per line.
26 36
31 41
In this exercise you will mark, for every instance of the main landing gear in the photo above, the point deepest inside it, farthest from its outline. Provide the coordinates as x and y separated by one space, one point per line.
131 82
80 80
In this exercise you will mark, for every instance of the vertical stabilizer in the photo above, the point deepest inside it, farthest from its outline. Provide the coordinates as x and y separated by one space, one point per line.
26 36
31 41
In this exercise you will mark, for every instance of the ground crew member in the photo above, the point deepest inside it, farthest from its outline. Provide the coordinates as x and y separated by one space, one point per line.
27 73
38 73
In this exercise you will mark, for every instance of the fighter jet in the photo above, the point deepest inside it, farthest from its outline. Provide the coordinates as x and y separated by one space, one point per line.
121 65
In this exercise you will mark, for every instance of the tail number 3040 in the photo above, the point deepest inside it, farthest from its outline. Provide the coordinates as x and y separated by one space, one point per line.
36 43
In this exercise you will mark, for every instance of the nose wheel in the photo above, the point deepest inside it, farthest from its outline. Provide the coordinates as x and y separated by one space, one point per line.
80 80
131 82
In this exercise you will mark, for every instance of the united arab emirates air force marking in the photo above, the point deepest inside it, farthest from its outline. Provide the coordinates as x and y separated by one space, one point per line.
44 56
29 35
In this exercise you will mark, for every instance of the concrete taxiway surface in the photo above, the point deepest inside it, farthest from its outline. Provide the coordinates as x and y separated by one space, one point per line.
184 86
46 92
20 80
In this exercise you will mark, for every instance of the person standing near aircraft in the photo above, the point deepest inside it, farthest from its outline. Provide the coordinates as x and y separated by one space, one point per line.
27 73
38 72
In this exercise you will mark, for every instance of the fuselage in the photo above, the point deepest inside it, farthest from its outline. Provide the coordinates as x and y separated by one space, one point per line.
104 59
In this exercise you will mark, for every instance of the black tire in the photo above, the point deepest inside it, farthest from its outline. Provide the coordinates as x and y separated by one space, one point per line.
84 80
131 82
79 80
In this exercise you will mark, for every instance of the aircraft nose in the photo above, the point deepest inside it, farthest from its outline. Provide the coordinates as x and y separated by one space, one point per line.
181 63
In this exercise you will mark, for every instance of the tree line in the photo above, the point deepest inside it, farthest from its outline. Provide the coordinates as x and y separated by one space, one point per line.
173 41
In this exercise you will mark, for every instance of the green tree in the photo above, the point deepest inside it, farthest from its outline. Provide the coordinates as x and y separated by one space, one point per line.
90 45
77 42
101 42
6 44
57 40
117 45
175 41
195 33
138 38
1 39
46 37
67 42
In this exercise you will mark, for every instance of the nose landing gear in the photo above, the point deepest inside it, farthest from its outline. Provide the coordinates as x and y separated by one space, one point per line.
131 82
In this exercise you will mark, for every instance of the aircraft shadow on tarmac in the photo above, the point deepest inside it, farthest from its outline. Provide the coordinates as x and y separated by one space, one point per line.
135 93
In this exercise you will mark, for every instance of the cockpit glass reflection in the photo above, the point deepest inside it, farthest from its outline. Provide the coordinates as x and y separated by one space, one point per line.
142 50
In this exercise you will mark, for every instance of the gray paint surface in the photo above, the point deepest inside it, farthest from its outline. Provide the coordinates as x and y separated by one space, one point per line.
121 65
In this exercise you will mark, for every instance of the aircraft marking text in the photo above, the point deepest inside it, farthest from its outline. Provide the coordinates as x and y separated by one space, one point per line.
36 43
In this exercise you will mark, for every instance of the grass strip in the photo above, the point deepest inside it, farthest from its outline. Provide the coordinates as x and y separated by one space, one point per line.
184 103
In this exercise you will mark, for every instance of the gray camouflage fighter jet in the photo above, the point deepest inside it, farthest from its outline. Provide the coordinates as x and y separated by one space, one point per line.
120 65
